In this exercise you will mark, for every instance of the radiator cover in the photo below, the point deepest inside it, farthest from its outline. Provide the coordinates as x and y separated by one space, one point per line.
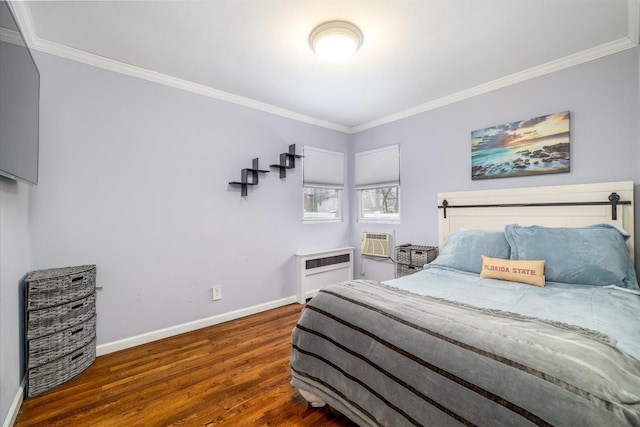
318 269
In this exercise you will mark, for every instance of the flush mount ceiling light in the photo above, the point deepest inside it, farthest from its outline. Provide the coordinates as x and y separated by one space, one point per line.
335 41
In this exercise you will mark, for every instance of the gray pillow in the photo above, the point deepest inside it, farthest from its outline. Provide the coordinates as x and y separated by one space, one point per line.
463 250
595 255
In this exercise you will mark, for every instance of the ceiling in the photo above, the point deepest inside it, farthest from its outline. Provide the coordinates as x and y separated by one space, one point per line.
417 54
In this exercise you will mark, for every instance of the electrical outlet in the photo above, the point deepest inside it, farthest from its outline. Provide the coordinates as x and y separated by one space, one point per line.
216 293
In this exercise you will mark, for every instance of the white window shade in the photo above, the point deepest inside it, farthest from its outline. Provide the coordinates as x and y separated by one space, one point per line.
322 168
378 168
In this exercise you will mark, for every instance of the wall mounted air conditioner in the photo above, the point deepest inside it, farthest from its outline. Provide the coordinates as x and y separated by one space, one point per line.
376 244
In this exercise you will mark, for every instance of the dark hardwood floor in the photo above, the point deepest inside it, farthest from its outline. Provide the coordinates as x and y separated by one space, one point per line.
232 374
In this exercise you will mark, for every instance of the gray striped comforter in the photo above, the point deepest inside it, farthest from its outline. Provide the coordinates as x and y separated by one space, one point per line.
385 357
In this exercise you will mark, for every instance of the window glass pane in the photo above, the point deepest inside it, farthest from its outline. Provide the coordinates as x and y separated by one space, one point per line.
321 203
379 203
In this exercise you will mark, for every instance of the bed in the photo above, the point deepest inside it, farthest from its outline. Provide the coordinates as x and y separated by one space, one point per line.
530 315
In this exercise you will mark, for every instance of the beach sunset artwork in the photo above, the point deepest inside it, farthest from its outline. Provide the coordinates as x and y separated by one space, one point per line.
527 147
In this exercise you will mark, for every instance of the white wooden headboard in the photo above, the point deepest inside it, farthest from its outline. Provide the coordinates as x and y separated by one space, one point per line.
553 206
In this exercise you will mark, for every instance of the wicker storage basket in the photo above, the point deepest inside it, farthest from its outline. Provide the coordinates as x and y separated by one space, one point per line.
53 319
50 347
46 288
411 258
61 370
60 325
405 270
421 255
403 254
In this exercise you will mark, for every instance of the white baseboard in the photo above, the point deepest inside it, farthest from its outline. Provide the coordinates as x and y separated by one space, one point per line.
111 347
14 409
102 349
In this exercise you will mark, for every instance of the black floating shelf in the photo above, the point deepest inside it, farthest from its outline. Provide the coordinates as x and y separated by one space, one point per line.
249 176
287 161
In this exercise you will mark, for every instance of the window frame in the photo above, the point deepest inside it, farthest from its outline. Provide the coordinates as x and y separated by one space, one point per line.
331 184
385 218
317 219
390 178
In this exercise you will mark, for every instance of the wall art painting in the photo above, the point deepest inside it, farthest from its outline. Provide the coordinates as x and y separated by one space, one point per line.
528 147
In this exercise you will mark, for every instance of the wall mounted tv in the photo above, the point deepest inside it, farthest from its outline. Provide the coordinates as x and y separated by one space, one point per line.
19 103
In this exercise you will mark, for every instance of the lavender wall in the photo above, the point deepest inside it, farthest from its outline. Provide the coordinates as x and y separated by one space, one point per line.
602 96
15 262
134 178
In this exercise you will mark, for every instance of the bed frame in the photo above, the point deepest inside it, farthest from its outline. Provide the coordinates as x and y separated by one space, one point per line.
553 206
429 339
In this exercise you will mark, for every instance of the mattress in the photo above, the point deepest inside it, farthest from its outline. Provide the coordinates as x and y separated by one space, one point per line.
386 356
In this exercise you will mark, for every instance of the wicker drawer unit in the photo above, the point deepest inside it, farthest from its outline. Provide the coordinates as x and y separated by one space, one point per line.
60 325
411 258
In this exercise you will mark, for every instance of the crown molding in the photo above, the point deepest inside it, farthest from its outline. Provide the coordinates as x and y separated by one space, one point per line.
633 25
23 16
164 79
21 12
550 67
10 36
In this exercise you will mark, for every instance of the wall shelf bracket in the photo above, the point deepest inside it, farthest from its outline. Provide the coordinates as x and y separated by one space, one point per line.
249 176
287 161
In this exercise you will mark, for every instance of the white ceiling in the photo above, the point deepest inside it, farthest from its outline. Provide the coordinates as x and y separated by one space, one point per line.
417 54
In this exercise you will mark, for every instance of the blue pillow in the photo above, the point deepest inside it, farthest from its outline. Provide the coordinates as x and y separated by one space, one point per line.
463 250
594 255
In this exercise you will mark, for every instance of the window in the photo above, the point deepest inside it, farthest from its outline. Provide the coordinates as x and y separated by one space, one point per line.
323 184
379 203
378 184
